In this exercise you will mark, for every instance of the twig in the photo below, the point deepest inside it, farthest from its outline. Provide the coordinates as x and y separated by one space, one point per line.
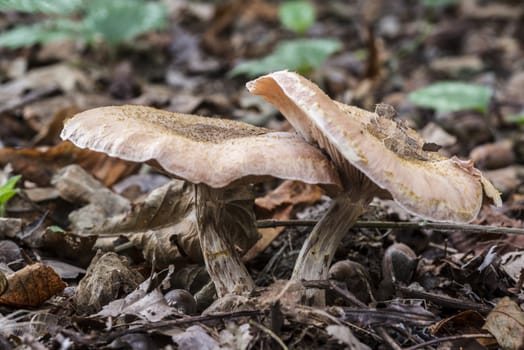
453 337
187 320
270 333
388 339
443 226
442 300
330 285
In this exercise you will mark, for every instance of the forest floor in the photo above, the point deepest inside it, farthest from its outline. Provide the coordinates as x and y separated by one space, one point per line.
67 285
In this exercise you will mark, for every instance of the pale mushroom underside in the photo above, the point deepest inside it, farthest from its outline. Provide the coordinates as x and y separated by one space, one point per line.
389 153
198 149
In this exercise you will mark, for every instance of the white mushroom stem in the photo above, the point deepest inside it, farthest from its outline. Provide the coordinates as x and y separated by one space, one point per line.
223 263
317 253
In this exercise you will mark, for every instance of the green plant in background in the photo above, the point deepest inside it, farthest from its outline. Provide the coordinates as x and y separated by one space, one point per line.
7 191
297 16
518 118
452 97
113 21
301 55
439 3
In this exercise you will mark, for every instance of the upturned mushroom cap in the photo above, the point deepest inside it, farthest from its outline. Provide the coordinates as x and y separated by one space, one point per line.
389 153
212 151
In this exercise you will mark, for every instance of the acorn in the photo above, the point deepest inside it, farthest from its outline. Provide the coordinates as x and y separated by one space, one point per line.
399 264
181 300
354 276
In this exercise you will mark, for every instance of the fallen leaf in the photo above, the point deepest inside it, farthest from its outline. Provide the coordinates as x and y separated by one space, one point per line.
75 185
464 322
506 323
289 193
493 155
58 76
150 306
236 336
39 164
195 337
280 204
31 286
344 335
513 264
108 278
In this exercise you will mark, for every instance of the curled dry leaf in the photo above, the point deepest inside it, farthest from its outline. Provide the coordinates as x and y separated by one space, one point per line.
506 323
39 164
31 286
236 336
108 278
468 321
344 335
73 247
59 76
493 155
195 337
75 185
280 204
148 305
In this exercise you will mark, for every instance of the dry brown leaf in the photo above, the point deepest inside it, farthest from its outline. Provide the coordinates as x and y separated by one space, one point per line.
31 286
109 277
466 322
58 76
506 323
280 204
493 155
289 193
39 165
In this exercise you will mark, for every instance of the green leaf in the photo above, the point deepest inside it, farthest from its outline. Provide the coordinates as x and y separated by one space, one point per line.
439 3
301 55
55 228
118 20
518 118
7 191
297 16
60 7
452 96
52 30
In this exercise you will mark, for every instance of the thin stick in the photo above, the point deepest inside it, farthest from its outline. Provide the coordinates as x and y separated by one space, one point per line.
453 337
443 226
388 339
270 333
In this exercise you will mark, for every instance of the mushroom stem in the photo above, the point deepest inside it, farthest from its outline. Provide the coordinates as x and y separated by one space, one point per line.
315 257
223 263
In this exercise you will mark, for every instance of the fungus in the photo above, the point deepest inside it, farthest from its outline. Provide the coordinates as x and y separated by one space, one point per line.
375 156
220 157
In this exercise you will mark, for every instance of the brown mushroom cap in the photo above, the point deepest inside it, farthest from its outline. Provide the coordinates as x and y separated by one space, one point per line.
389 153
212 151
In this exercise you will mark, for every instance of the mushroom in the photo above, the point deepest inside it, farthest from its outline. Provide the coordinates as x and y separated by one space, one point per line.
220 157
375 156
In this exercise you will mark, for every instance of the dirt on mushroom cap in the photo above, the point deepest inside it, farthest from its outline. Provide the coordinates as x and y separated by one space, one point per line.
390 154
213 151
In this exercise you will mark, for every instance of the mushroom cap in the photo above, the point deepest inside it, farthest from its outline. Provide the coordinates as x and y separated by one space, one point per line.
212 151
389 153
